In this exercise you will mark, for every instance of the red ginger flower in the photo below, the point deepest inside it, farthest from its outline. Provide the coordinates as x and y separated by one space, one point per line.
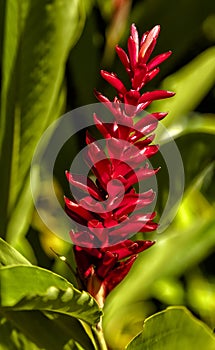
110 210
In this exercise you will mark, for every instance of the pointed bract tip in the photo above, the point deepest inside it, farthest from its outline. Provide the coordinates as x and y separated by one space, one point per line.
68 175
156 30
133 30
171 93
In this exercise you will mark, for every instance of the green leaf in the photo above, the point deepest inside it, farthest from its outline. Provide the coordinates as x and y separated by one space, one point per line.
174 328
43 290
191 123
197 153
33 68
56 331
14 328
44 301
10 256
74 330
2 13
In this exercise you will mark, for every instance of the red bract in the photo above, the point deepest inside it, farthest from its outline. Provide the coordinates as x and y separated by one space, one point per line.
101 269
109 210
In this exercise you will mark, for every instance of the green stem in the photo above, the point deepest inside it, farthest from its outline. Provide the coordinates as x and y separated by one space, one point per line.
99 337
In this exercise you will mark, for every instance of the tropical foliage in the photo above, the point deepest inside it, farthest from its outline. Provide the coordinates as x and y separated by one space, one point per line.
51 52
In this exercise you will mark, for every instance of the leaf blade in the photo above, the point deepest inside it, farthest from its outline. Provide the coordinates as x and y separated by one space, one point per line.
173 328
10 256
44 290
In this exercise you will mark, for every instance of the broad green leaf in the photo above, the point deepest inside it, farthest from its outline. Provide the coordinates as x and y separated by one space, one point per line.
32 317
63 329
10 256
174 328
43 290
2 13
7 94
38 36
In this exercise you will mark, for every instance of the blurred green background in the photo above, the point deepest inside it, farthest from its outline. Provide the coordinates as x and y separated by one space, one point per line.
51 52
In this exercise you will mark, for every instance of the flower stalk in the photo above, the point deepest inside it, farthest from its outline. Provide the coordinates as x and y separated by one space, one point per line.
99 337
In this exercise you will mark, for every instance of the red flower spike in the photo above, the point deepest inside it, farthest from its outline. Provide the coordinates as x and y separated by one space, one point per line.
110 210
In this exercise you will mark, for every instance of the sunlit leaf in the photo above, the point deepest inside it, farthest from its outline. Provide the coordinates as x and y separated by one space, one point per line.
43 290
63 329
33 94
191 123
174 328
10 256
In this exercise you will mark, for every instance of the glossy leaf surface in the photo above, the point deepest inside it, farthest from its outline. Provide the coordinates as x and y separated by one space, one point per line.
174 328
